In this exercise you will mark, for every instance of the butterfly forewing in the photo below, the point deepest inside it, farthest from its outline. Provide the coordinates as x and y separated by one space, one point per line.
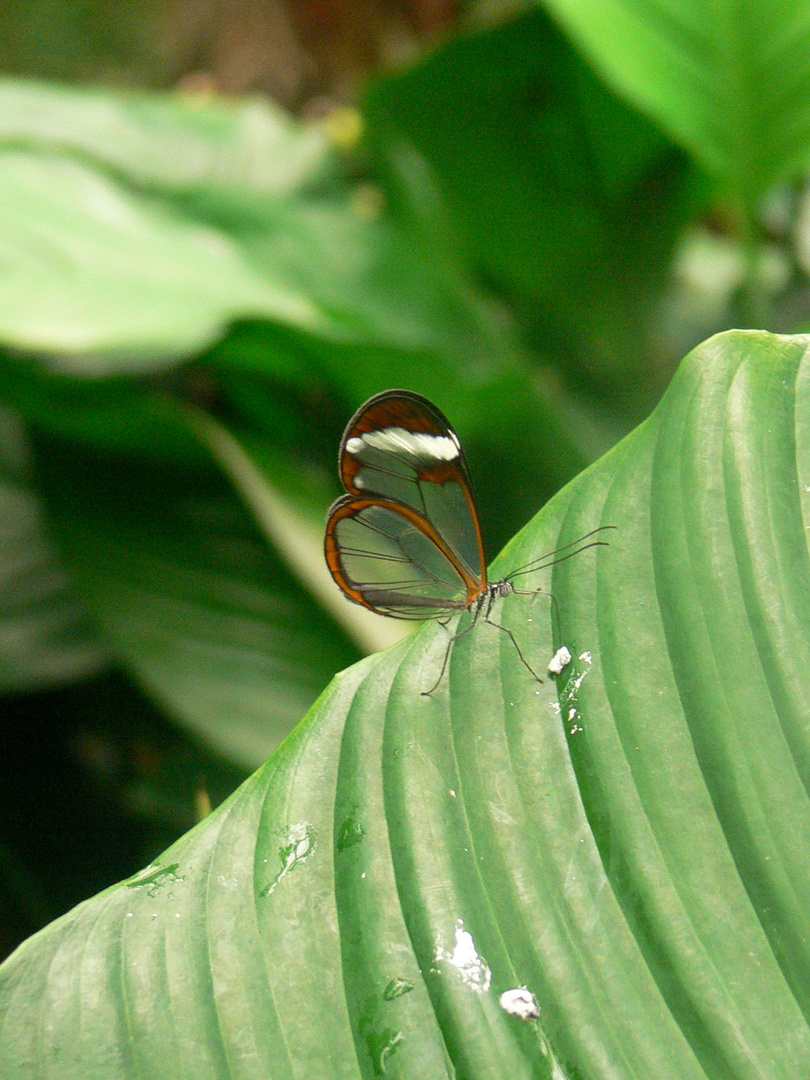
400 447
381 557
405 540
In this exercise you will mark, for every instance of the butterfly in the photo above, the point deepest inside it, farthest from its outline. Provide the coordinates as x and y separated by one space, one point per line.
406 540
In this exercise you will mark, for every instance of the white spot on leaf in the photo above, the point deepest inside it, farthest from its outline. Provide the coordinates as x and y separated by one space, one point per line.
560 660
521 1003
298 845
473 969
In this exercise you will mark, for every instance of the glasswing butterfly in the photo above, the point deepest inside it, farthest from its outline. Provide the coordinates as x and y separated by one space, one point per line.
405 540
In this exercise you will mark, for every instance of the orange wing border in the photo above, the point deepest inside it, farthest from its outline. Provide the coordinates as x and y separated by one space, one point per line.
347 506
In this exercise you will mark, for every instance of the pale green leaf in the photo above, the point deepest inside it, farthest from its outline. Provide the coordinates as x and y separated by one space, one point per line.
729 81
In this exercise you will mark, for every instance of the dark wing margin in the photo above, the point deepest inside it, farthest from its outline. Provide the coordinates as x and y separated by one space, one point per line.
388 558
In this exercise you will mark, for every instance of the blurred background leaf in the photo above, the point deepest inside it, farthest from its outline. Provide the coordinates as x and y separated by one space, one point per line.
191 597
565 199
731 83
46 637
225 226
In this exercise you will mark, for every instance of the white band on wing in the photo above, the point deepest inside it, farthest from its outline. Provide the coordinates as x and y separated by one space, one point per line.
397 440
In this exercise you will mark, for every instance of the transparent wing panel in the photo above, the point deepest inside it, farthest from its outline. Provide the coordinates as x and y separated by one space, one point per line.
396 568
447 509
428 474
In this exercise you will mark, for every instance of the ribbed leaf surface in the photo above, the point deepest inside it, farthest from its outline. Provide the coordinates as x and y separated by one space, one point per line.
630 841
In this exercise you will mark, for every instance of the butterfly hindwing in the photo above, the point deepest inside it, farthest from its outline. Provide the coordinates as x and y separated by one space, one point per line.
381 556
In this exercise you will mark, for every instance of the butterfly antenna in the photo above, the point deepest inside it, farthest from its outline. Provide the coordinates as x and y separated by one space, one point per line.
561 554
527 567
450 644
552 561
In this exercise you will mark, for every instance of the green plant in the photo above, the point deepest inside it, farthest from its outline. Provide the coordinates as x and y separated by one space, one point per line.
195 296
629 842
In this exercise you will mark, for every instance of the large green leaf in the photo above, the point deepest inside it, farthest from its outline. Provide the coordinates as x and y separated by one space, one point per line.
137 228
631 842
101 272
241 152
730 81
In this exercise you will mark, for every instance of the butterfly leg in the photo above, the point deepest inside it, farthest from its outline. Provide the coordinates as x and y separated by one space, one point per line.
511 637
450 644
